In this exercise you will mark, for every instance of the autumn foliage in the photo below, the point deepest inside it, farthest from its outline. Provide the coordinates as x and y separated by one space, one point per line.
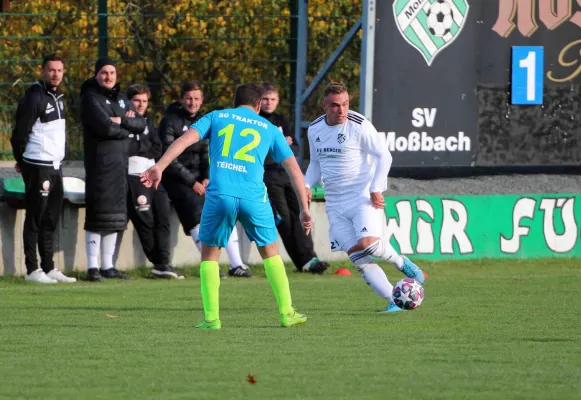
165 42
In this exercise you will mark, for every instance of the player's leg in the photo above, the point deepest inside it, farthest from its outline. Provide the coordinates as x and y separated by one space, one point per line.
258 222
367 222
218 219
162 234
343 236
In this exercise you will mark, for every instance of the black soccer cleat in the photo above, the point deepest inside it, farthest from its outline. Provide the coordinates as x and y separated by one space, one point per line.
165 271
242 271
113 273
93 275
318 267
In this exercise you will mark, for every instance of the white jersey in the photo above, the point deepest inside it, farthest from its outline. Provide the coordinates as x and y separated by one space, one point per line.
351 159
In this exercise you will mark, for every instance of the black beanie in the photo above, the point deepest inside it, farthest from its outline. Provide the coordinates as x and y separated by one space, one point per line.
102 62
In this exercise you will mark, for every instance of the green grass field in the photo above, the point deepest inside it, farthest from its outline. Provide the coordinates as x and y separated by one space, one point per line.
486 330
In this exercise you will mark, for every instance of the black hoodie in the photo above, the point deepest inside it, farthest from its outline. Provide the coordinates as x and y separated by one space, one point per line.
107 146
192 165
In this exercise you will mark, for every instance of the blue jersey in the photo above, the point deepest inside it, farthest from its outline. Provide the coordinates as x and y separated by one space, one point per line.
240 140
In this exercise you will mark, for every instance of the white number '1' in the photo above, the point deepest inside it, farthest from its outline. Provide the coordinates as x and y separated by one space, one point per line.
530 64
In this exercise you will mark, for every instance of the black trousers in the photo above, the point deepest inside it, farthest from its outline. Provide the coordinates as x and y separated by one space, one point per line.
149 211
43 202
298 245
188 205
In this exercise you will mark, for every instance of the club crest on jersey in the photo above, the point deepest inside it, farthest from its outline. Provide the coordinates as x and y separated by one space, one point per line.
122 103
430 26
341 138
146 130
45 188
142 203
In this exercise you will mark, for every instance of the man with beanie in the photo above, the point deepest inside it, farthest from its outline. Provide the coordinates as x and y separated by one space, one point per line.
297 243
187 176
111 131
38 143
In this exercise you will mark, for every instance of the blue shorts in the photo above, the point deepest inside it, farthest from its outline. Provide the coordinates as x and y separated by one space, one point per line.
221 212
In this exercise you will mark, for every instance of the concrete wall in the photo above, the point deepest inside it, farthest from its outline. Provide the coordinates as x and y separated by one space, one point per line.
70 248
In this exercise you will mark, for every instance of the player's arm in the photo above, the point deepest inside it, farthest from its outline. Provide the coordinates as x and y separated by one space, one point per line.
374 143
298 182
189 138
313 174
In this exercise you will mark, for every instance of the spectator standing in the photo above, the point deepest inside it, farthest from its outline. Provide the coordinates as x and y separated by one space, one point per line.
111 130
148 208
38 144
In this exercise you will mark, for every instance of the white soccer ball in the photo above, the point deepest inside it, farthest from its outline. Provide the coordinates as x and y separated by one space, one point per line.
440 18
408 294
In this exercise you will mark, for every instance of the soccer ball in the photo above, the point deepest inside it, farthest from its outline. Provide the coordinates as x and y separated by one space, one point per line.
408 294
440 18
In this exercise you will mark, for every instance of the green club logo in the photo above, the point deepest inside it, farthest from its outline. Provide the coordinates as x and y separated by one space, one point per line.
430 25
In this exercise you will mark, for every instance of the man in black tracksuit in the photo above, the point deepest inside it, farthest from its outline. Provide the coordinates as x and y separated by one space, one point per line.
148 208
186 177
38 144
297 243
111 131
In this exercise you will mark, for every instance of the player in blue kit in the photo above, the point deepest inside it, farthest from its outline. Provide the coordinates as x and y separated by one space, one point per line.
240 140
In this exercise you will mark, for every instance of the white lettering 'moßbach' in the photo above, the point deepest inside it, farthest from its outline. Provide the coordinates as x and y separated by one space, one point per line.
416 141
231 166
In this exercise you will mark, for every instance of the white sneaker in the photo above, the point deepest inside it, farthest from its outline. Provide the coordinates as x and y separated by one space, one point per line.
60 277
39 276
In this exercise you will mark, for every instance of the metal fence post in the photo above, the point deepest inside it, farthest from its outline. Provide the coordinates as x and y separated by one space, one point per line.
102 24
301 71
367 59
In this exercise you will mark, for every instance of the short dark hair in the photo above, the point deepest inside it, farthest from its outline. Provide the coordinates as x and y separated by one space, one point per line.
189 86
268 87
136 89
248 95
51 57
335 88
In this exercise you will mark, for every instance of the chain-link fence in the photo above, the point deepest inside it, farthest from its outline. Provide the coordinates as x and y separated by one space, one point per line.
165 43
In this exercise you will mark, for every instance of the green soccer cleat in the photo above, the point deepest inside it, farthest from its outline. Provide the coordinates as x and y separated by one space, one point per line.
216 324
288 320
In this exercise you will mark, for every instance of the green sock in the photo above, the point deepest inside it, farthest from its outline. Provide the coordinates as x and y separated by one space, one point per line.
210 282
276 275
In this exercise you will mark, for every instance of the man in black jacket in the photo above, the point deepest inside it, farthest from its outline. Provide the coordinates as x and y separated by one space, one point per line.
111 130
297 243
149 209
38 144
186 177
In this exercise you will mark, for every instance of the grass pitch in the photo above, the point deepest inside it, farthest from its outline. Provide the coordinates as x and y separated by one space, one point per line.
486 330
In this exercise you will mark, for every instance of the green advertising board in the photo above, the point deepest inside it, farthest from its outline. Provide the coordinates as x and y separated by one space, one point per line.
495 226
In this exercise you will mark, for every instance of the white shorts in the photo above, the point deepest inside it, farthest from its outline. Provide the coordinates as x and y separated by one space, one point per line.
348 224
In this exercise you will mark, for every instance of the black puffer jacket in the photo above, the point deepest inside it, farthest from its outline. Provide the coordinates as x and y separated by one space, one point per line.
192 165
107 146
280 122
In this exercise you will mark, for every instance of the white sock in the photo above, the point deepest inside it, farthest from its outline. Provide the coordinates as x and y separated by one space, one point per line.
233 250
385 252
108 242
92 245
195 232
373 275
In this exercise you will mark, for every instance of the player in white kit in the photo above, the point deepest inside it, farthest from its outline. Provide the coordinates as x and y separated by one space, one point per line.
353 161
